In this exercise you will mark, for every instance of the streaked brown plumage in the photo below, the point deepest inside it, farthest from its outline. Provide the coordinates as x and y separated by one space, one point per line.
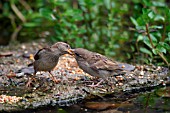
98 65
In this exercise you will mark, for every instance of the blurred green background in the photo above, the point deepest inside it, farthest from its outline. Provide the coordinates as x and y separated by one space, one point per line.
134 31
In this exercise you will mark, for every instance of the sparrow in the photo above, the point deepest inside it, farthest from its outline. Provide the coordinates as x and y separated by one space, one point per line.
98 65
47 58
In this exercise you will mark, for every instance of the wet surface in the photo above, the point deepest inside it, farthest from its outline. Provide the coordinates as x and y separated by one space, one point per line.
145 102
73 91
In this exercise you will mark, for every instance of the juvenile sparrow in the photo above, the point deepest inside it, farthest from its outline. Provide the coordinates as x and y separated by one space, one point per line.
98 65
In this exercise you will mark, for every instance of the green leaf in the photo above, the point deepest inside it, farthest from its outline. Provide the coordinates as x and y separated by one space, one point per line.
140 37
154 39
151 14
46 13
132 48
159 4
31 24
128 55
167 14
147 2
134 21
75 14
141 21
145 15
165 45
159 18
34 15
156 27
139 28
107 3
161 48
147 42
144 50
168 38
154 51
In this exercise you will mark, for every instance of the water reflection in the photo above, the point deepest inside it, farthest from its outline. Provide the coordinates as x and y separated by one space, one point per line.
157 101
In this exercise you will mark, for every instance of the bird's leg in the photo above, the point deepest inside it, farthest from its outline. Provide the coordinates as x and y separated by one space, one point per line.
53 78
30 80
96 85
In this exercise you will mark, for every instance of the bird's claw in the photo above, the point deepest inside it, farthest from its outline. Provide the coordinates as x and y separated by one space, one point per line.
28 84
95 85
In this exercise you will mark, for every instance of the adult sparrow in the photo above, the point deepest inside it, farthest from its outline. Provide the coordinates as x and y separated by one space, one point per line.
98 65
47 58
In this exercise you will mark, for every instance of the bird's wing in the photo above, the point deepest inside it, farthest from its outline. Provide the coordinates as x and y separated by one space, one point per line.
99 61
41 52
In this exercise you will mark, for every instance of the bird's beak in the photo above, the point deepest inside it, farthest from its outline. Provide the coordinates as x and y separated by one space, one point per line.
70 51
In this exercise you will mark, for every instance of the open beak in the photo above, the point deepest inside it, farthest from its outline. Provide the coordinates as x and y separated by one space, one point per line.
70 51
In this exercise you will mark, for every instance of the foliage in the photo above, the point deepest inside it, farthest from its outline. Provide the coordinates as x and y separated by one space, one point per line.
104 26
154 100
153 31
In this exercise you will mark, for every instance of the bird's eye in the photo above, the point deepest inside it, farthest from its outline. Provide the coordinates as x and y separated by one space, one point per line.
67 46
77 54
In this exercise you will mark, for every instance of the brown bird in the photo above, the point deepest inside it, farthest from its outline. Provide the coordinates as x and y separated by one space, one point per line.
47 58
98 65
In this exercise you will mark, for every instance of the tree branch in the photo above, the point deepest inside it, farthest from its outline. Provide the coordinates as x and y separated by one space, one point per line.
159 53
18 13
148 34
15 33
24 3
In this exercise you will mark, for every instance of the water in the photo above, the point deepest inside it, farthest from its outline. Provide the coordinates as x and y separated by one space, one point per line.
157 101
